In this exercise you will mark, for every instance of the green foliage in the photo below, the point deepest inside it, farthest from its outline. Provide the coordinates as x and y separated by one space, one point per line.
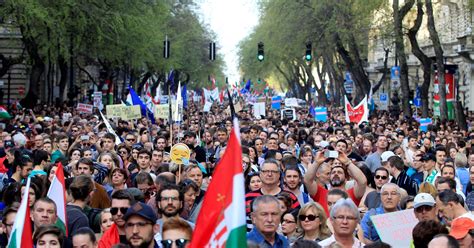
117 33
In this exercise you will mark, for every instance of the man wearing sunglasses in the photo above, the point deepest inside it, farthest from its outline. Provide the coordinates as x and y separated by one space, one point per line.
121 202
140 226
372 200
425 207
176 231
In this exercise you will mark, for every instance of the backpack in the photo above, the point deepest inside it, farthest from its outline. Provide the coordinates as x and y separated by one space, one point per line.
93 215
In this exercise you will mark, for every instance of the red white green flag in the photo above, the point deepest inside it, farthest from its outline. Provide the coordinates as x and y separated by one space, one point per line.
221 221
57 193
22 235
4 113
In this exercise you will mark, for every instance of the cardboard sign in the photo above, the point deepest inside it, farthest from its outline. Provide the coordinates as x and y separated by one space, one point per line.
85 108
114 110
162 111
124 112
395 228
259 109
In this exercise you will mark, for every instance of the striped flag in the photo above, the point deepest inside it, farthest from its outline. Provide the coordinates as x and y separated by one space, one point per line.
4 113
221 221
57 193
21 235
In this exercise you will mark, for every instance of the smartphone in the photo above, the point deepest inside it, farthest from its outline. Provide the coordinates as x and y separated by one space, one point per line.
84 137
331 154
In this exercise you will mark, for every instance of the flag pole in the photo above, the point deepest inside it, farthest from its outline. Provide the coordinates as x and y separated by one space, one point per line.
170 117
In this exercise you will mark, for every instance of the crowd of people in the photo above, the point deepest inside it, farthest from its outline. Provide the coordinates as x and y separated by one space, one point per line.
308 183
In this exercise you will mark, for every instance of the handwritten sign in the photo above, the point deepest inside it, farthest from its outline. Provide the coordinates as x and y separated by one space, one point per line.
85 108
162 111
395 228
124 112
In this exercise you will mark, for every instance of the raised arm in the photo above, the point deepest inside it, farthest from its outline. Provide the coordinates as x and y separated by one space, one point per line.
310 175
356 173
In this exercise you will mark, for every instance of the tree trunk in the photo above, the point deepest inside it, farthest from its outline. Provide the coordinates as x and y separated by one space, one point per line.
443 108
63 69
398 15
355 67
425 60
384 72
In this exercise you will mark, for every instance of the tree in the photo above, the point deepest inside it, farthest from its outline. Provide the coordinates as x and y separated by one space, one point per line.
443 108
426 62
398 15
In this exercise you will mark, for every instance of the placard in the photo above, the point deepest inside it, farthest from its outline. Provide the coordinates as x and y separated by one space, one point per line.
291 102
162 111
276 102
259 109
98 100
321 114
424 123
85 108
395 228
383 101
288 113
124 112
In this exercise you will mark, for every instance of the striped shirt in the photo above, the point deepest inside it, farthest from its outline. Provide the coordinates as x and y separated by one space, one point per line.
249 197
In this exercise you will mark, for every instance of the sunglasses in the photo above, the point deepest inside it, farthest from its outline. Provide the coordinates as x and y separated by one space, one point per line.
131 140
380 177
114 211
180 243
310 217
424 208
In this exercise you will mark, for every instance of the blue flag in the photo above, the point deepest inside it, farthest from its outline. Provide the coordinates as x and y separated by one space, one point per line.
136 101
184 96
246 88
312 111
171 80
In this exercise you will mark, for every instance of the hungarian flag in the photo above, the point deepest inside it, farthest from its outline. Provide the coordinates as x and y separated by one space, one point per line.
21 235
57 193
221 221
4 113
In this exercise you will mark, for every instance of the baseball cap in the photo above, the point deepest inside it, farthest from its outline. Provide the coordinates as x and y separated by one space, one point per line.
142 210
460 227
386 155
423 199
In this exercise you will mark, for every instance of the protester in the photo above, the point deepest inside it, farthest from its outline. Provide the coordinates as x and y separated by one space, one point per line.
48 236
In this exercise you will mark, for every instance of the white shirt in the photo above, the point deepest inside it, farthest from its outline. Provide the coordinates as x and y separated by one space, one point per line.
329 241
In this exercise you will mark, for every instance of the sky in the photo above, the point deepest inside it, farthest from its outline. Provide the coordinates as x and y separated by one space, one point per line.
232 21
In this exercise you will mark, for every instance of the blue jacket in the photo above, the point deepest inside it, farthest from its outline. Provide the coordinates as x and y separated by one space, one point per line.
256 237
369 229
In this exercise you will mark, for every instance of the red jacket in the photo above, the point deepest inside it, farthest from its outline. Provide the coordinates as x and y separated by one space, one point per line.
110 237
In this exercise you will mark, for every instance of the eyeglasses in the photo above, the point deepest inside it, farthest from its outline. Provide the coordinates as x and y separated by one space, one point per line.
138 224
270 171
114 211
74 130
345 218
380 177
310 217
424 208
180 243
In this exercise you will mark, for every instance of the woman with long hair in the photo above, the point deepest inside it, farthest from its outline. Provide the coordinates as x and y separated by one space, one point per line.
312 222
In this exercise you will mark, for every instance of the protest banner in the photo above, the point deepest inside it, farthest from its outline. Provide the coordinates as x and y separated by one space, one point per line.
131 112
114 110
98 100
395 228
424 122
259 109
162 111
85 108
321 114
276 102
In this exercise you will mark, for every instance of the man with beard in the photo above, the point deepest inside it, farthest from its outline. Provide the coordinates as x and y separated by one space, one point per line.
208 146
170 202
140 226
121 202
337 180
222 139
293 181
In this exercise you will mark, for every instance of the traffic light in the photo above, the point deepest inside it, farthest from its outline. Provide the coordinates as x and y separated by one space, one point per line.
309 52
260 53
166 48
212 51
